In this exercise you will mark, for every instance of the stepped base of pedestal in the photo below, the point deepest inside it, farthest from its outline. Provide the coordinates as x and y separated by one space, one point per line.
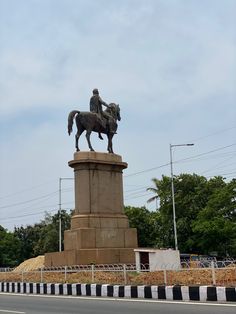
88 256
100 238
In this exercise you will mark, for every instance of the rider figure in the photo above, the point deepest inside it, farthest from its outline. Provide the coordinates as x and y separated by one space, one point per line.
96 103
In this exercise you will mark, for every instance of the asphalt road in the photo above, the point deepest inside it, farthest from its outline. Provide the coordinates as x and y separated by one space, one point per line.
23 304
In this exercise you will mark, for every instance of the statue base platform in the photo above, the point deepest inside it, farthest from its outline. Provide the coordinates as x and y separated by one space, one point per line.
90 256
100 230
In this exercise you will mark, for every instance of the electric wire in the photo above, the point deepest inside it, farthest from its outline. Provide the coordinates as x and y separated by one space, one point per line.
38 212
133 195
45 197
211 134
180 160
217 166
26 190
29 201
206 153
146 194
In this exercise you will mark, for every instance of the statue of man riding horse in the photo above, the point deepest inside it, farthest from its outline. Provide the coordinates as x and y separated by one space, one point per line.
96 120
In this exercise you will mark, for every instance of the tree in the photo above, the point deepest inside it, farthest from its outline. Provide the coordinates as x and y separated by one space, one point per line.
154 190
146 224
163 193
202 207
41 237
49 235
9 249
215 226
28 237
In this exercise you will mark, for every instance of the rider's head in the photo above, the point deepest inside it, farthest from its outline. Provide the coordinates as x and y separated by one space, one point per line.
95 91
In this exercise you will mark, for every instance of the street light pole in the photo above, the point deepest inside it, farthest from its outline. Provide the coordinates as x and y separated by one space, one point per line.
173 191
173 198
59 212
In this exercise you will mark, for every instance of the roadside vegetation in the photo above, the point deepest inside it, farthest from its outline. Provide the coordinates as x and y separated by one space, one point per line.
205 216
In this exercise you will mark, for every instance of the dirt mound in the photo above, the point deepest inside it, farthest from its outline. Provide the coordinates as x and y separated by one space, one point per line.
31 264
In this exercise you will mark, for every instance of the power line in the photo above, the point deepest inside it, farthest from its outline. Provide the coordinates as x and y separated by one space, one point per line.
25 190
41 207
146 194
36 213
178 161
45 197
212 134
134 190
32 200
131 195
26 215
221 155
222 174
206 153
229 177
205 158
218 164
147 170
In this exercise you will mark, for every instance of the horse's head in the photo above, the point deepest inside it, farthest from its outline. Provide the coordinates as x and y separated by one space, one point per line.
115 111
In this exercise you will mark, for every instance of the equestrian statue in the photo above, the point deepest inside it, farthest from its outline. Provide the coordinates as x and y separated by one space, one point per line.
96 120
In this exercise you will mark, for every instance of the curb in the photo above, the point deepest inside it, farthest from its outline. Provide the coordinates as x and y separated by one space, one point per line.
181 293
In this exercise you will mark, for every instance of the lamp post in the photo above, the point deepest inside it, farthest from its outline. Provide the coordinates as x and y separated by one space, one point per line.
173 191
59 212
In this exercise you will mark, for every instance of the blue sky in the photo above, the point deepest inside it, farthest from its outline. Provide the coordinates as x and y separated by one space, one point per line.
171 65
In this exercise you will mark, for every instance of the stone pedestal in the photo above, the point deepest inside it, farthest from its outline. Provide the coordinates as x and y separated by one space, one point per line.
100 230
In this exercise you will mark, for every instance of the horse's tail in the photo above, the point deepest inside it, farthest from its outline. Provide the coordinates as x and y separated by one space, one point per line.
71 120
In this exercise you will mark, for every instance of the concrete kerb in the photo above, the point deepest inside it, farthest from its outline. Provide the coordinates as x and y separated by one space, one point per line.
180 293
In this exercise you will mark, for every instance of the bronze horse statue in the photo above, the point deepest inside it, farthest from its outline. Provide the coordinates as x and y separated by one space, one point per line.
93 122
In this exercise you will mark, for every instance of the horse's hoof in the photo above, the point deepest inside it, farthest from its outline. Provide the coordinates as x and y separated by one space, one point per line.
91 150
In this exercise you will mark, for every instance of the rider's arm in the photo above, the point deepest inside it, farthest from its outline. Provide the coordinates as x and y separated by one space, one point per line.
103 102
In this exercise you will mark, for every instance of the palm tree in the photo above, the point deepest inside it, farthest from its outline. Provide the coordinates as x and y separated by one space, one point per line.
154 190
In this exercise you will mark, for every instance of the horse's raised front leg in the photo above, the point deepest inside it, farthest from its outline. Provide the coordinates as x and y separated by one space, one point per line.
88 133
110 146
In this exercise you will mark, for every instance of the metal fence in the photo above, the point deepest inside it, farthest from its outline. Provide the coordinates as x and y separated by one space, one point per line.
212 272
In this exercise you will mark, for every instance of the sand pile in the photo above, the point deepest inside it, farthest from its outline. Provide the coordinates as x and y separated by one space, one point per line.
31 264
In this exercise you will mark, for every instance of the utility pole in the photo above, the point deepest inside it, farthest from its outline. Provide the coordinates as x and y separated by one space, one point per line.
59 211
60 214
173 191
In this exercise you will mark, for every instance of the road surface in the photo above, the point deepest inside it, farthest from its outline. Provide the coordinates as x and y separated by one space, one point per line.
30 304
